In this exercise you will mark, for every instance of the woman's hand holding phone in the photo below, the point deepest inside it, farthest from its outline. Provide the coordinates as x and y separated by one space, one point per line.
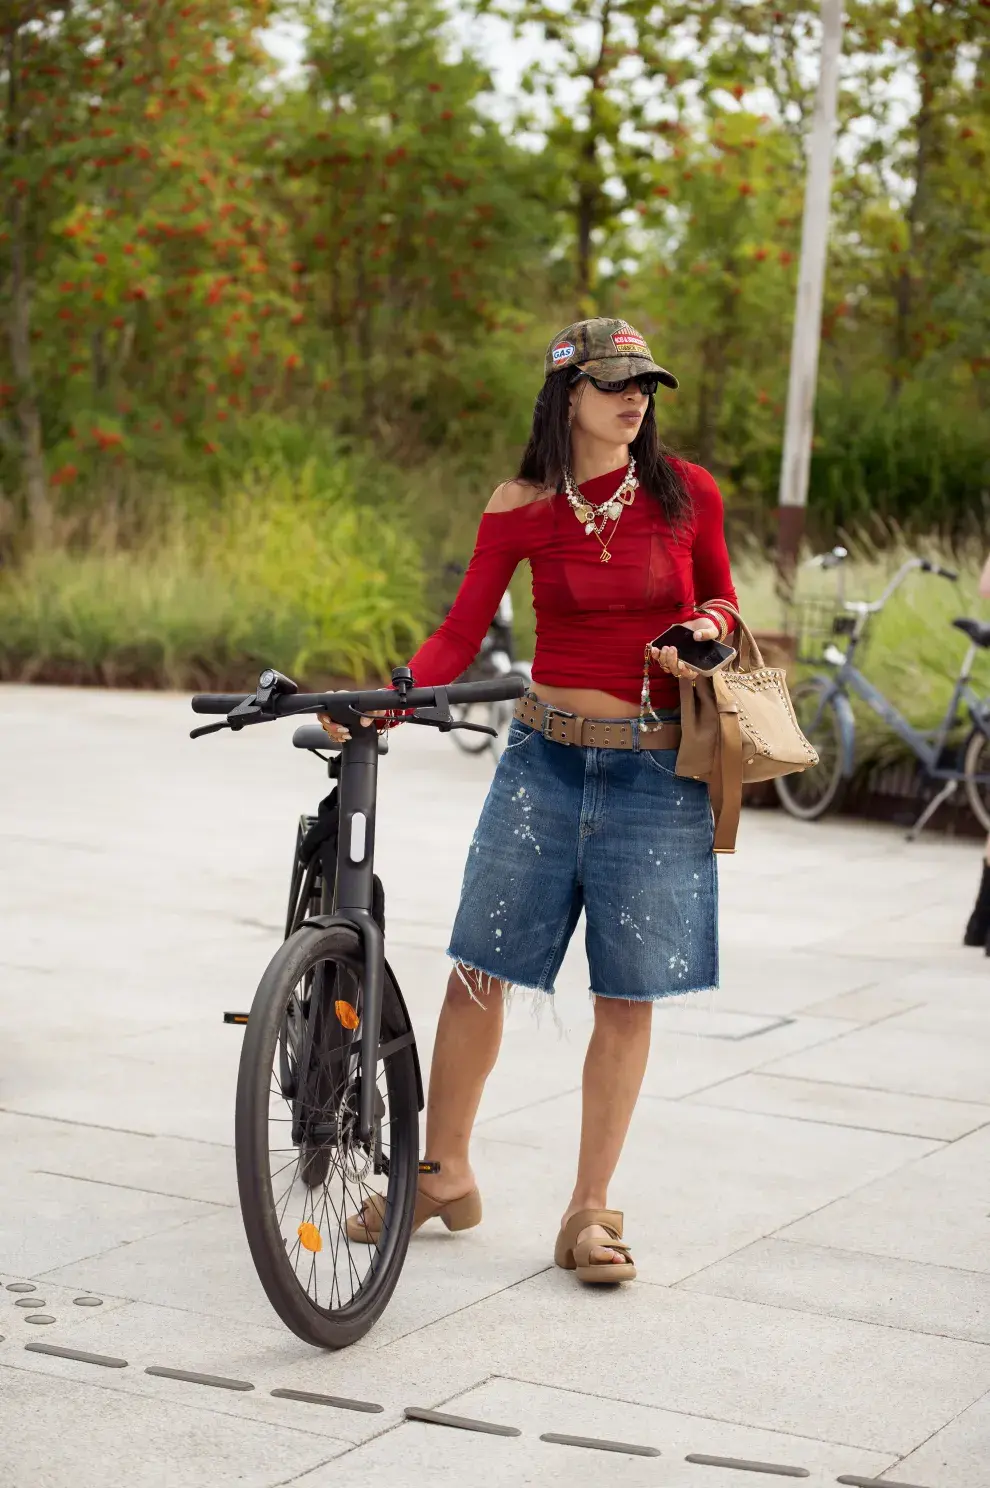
667 658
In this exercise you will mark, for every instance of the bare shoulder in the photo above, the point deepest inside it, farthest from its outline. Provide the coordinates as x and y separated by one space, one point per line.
513 494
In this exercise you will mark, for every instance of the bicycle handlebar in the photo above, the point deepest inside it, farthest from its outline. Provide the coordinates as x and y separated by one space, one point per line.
496 690
217 702
927 566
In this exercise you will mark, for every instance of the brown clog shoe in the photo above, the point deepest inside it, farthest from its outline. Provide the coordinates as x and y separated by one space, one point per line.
575 1256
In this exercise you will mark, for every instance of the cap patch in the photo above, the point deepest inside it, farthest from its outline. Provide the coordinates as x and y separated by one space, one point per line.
562 353
623 339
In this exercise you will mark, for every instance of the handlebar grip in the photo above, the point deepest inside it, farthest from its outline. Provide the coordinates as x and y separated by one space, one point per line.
498 690
217 702
927 566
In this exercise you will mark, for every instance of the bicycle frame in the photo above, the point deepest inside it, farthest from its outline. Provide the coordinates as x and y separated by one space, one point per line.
353 897
926 745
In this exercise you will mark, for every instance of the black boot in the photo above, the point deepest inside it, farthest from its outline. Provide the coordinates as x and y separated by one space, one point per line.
978 929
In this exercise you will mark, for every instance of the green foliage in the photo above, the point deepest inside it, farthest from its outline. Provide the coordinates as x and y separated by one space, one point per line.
289 573
207 268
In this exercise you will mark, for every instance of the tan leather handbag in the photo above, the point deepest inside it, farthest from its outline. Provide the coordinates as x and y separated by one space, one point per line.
738 725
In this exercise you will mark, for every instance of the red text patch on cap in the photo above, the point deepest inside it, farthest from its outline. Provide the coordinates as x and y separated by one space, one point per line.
622 339
562 353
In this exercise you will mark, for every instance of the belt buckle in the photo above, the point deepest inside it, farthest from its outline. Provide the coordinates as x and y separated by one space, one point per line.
547 721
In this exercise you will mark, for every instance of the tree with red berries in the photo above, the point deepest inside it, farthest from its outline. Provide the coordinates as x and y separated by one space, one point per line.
145 278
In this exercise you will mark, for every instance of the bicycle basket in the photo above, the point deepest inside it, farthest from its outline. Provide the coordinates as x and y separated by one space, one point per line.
815 622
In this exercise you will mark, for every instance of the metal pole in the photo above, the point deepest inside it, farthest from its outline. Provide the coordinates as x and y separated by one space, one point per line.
802 384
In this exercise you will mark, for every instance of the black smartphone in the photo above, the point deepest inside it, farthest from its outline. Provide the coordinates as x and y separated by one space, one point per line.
705 656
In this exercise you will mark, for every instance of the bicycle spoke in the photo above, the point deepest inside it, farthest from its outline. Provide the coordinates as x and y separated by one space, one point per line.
323 1095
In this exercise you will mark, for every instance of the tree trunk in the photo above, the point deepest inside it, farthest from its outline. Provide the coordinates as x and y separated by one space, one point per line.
928 59
710 387
589 186
19 330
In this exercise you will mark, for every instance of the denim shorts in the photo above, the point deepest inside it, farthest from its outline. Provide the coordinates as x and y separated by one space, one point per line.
611 831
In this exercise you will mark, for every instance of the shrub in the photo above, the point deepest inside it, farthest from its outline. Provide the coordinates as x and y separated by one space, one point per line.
285 573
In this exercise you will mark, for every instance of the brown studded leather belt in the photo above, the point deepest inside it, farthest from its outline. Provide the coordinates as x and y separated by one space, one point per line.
594 733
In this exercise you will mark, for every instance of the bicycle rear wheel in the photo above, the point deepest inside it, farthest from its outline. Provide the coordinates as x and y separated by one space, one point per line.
808 794
976 771
301 1170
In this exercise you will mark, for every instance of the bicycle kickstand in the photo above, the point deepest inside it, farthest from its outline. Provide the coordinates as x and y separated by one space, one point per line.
946 793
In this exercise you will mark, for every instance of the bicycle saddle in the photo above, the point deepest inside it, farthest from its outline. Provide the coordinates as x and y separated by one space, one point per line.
977 630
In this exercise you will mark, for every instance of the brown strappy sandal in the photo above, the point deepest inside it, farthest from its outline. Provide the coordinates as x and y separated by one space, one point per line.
457 1214
577 1257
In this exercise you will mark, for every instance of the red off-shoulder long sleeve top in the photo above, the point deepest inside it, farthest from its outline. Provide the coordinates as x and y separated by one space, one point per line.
593 619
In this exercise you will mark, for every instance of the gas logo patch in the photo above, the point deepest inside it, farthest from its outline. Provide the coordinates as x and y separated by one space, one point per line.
562 353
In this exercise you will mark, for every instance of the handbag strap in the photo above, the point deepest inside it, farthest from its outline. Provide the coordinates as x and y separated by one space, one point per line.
749 657
725 786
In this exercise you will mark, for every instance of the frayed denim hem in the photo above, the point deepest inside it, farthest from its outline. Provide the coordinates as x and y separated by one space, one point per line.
469 975
709 989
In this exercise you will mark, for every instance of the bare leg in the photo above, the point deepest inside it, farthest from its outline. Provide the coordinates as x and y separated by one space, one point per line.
464 1054
613 1072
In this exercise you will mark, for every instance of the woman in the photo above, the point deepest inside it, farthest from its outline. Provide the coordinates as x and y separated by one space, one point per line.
978 929
585 811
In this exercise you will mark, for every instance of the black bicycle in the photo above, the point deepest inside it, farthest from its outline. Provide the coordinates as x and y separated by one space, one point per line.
329 1088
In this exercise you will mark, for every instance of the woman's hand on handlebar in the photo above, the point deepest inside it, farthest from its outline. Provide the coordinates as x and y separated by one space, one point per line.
339 732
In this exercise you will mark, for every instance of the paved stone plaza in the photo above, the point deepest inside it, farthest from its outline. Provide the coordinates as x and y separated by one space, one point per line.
806 1185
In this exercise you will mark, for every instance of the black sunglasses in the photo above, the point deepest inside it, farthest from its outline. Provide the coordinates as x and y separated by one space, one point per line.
647 383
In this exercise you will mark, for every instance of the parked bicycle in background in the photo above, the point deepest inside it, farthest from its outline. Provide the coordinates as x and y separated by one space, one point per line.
824 710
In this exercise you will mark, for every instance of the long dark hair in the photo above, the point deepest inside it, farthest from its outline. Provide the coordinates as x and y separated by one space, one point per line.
547 454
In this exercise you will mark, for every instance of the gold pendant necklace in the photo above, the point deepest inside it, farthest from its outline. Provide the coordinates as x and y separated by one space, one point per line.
594 518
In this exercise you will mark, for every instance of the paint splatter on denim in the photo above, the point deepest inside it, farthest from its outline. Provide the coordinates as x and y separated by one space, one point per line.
611 831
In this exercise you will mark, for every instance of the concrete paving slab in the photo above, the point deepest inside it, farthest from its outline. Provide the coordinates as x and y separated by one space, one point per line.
869 1004
774 980
763 1170
956 1457
164 1166
683 1063
419 1453
844 1283
846 1105
50 1221
935 1211
768 1367
207 1270
945 1063
54 1432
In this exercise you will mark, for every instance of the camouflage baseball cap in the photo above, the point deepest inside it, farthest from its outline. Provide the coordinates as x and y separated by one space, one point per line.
610 349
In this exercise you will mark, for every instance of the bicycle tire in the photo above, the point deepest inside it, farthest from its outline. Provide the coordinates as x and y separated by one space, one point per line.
275 1243
976 761
809 794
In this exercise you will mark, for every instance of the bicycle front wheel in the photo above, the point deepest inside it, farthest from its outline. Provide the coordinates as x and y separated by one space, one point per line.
976 773
808 794
302 1171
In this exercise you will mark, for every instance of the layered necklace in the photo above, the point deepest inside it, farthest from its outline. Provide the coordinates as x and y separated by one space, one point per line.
594 519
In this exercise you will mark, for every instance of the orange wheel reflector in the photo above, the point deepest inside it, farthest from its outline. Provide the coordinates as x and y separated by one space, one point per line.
346 1014
309 1237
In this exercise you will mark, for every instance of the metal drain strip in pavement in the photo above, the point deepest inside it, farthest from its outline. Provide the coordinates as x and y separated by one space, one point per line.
411 1412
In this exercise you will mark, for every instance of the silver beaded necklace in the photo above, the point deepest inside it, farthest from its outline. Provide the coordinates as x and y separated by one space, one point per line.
594 518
